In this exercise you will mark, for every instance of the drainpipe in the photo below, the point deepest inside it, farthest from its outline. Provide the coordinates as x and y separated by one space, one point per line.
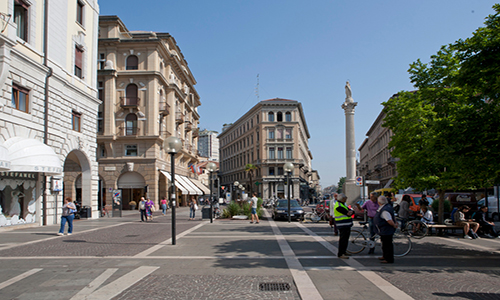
46 105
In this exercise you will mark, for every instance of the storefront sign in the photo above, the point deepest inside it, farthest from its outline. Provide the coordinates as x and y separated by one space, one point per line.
18 175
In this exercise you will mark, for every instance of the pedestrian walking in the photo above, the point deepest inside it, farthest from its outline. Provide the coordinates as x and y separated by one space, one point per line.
343 221
142 209
150 208
370 207
68 214
253 201
386 225
164 205
193 207
332 215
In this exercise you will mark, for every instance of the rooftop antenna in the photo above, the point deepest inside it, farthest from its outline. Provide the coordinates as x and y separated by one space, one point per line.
257 89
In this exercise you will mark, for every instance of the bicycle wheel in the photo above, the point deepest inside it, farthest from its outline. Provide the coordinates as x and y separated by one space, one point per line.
357 242
308 216
315 217
417 229
402 243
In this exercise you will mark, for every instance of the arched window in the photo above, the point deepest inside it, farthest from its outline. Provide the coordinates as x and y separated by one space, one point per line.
132 62
288 117
271 116
131 124
279 117
131 95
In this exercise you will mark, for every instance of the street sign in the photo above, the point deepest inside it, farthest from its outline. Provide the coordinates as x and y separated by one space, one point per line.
359 181
372 181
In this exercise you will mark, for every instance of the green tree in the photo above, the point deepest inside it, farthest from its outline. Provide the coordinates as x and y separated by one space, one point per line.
446 132
249 168
340 185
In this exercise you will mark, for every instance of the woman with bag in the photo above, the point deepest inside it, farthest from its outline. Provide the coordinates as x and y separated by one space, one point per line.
68 214
150 208
193 207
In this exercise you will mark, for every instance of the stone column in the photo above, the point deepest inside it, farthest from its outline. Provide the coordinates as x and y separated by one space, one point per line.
350 190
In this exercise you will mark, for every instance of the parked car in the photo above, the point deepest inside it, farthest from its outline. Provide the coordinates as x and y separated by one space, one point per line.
280 210
492 207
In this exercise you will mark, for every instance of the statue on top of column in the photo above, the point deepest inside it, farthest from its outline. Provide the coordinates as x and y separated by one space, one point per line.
348 92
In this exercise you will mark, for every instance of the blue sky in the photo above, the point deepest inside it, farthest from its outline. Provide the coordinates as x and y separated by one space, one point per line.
304 51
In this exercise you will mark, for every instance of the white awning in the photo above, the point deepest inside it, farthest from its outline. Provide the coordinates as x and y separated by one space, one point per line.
192 187
178 184
201 186
4 158
30 155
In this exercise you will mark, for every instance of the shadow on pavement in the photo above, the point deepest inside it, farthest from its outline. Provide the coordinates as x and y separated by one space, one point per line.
469 295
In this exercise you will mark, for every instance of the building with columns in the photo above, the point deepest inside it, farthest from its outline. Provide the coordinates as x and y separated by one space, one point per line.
270 134
148 95
48 109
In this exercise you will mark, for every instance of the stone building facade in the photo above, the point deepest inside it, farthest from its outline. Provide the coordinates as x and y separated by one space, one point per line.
375 160
48 108
148 95
269 135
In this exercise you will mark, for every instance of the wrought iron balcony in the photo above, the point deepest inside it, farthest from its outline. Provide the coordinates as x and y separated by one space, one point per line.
130 101
179 117
129 131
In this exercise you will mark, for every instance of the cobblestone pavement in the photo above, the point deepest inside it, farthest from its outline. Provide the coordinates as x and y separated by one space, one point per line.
191 287
122 258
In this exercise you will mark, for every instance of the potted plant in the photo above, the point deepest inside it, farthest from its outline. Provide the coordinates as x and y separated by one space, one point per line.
132 204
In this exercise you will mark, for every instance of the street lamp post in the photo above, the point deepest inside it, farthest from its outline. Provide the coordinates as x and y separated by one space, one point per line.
172 146
288 167
211 167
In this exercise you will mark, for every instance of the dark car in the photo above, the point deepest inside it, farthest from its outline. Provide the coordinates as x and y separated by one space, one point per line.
280 210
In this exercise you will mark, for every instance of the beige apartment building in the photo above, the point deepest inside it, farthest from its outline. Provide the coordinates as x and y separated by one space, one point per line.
375 160
269 135
148 95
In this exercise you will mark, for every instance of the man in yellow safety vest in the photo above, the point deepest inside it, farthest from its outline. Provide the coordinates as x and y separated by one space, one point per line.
343 220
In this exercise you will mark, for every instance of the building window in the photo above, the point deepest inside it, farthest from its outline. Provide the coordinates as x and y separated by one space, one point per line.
288 116
100 122
130 150
279 133
280 171
21 19
280 152
102 151
79 12
102 61
132 62
78 62
76 121
271 170
288 133
131 95
279 117
20 98
289 153
131 124
271 133
271 153
271 116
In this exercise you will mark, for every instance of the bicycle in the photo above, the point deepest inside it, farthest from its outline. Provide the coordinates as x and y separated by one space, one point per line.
416 229
358 241
315 217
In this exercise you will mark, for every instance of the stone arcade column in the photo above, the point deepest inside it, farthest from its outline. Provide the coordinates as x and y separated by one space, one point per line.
350 189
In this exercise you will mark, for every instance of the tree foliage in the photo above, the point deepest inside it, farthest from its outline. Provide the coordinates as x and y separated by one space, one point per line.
446 133
340 184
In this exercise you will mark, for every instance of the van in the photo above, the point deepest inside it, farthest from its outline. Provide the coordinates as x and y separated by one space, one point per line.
492 207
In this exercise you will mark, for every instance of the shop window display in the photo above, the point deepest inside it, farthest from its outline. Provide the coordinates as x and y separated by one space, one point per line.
17 200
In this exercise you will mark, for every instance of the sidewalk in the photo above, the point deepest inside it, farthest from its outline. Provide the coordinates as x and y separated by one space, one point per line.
226 259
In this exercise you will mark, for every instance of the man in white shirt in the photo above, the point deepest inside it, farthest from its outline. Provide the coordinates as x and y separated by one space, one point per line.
332 217
253 201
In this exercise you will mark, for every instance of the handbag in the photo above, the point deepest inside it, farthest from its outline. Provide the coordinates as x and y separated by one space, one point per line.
153 208
195 206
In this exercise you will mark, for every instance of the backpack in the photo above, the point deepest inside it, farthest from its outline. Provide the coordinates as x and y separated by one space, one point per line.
453 215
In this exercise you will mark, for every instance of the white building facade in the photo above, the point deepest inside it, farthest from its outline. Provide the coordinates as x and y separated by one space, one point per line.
48 108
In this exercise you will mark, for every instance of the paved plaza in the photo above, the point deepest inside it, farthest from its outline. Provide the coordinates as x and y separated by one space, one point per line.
123 258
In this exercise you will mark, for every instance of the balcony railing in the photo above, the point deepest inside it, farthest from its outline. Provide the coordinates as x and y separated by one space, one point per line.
129 131
179 117
189 126
196 132
130 101
164 108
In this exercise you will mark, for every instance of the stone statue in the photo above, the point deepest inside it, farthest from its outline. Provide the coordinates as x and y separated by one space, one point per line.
348 92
